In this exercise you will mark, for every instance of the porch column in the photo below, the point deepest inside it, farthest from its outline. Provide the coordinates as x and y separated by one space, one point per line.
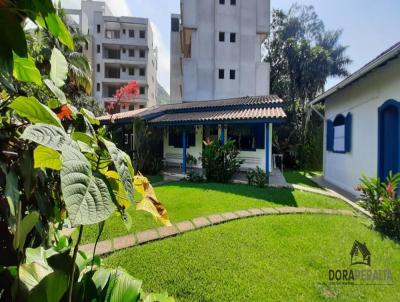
184 151
223 134
267 155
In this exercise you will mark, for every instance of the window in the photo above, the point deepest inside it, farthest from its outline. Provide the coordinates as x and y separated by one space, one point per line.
142 53
221 74
175 137
123 69
124 31
131 71
86 45
98 28
98 48
221 36
175 25
142 91
339 134
222 2
142 72
233 2
123 50
248 137
131 33
142 34
98 87
141 106
233 38
232 74
131 52
98 67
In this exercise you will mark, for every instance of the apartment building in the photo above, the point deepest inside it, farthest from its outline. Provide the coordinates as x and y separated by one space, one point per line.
121 49
216 49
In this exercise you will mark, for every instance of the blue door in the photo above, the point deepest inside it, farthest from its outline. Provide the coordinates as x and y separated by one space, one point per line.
388 131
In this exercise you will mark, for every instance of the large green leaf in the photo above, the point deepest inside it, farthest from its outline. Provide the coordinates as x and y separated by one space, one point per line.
86 197
121 164
90 116
33 110
59 68
45 157
12 193
25 226
56 91
56 26
123 287
51 288
47 135
31 274
25 70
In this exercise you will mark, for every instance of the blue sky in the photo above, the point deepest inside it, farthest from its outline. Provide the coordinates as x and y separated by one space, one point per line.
369 26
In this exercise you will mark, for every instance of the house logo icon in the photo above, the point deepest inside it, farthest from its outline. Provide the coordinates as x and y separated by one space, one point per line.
360 254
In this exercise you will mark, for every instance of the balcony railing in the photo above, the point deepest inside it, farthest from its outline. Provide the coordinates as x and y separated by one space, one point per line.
112 34
113 54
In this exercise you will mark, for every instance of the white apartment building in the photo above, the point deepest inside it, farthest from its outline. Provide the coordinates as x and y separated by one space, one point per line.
216 49
121 49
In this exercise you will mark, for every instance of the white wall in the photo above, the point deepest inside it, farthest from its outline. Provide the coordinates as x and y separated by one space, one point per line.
362 99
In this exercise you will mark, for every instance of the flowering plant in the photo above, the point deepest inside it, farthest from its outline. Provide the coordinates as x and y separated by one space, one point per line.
382 201
123 95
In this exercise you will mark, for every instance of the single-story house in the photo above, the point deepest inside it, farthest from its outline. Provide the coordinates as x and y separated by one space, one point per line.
247 120
362 123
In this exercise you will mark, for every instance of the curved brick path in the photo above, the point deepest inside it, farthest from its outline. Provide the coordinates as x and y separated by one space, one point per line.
119 243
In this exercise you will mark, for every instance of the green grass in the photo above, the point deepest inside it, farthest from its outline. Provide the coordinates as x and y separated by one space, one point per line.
301 178
185 200
270 258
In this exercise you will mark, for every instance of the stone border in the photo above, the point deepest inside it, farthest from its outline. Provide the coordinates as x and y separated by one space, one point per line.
119 243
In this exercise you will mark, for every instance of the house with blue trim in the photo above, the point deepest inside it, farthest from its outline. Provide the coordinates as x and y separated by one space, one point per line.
362 123
185 126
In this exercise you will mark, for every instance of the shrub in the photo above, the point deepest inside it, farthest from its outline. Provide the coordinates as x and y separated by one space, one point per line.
257 177
220 161
382 201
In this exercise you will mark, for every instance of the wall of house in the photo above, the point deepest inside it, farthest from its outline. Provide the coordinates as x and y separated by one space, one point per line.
362 99
173 156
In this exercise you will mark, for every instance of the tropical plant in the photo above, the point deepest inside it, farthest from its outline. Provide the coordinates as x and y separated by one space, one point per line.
220 161
381 199
257 177
57 167
302 54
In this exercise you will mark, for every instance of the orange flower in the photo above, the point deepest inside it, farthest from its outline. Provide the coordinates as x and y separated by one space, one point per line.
64 112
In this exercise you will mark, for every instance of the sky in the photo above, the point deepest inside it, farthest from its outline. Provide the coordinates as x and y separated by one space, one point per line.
369 26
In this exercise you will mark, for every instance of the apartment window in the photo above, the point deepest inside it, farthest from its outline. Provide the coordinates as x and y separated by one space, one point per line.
98 87
222 36
98 28
175 25
131 71
131 52
98 67
221 74
142 72
142 91
233 2
142 53
141 106
131 33
123 69
124 31
98 48
222 2
123 50
86 45
142 34
232 74
233 38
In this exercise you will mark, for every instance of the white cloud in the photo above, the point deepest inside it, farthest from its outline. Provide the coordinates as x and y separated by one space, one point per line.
163 57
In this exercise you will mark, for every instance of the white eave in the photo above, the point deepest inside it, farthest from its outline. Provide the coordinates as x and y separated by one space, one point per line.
382 59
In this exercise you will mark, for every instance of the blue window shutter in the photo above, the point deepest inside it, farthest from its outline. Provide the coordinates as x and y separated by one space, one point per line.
347 138
329 135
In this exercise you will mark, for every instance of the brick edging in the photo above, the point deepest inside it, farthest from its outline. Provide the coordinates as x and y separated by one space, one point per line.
123 242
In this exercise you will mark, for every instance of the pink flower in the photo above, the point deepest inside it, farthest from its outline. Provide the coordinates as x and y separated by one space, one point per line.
127 92
390 189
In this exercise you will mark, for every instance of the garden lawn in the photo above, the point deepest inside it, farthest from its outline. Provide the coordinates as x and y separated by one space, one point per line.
269 258
185 200
301 178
